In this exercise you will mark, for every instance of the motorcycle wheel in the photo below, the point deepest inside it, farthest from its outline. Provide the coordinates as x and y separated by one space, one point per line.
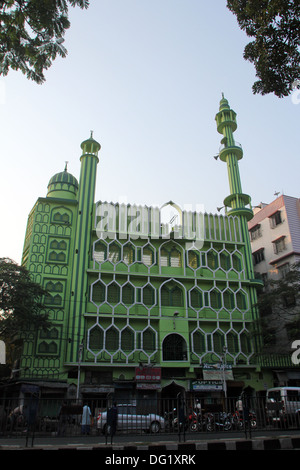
227 426
210 427
253 423
193 427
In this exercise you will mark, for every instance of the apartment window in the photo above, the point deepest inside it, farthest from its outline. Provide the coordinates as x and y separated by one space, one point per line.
258 256
255 232
275 219
283 270
279 245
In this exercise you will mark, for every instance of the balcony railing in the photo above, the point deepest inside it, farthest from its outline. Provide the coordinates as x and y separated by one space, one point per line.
226 146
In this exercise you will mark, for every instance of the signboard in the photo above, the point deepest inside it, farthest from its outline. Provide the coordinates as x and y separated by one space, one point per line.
217 371
148 386
148 378
206 385
148 374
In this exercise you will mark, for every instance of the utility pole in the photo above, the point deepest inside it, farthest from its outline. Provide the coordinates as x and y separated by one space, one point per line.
79 363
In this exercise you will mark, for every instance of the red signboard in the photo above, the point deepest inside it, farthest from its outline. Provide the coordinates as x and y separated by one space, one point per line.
148 374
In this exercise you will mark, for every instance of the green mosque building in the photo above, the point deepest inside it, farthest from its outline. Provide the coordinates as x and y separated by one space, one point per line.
142 305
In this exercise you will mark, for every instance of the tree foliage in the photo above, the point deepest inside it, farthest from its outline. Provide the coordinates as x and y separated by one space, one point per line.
20 301
31 34
275 27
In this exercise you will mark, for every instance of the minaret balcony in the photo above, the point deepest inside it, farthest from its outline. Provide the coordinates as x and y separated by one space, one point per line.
227 149
241 211
236 205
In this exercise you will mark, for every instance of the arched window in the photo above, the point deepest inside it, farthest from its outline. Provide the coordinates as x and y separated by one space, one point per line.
99 253
175 258
171 297
128 254
165 296
113 294
96 339
148 256
112 340
149 341
127 294
196 298
193 260
199 342
98 292
174 348
215 299
171 256
219 342
114 253
176 297
148 295
232 343
127 340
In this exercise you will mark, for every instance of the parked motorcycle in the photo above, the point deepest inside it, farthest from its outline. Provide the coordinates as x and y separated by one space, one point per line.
238 420
197 422
170 419
217 421
253 421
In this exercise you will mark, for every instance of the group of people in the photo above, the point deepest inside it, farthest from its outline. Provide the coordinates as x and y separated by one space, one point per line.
87 420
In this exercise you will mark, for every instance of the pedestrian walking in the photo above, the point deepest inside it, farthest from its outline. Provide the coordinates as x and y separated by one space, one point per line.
62 420
112 420
86 420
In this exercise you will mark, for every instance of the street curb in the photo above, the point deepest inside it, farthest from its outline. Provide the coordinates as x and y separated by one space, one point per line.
269 444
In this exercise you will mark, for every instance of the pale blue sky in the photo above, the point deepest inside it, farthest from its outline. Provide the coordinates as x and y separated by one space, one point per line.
146 77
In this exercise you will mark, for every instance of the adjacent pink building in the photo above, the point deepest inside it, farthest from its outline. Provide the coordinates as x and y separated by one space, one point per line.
275 236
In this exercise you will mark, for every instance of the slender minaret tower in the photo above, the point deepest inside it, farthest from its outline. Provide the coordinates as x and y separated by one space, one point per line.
235 204
86 194
231 152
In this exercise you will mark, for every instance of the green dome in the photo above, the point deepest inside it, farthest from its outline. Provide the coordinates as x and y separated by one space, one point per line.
63 185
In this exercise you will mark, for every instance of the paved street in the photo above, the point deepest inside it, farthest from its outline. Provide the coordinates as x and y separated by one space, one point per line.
197 441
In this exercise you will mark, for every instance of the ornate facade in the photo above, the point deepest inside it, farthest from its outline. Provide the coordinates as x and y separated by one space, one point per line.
141 304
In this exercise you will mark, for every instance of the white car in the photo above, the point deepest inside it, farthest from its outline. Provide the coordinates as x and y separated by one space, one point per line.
129 420
283 403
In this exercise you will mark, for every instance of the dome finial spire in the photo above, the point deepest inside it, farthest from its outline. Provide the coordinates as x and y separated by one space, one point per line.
66 165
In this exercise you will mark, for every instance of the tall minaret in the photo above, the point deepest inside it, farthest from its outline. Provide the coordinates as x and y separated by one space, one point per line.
231 152
86 194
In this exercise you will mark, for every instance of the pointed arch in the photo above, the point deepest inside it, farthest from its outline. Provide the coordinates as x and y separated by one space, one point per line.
172 293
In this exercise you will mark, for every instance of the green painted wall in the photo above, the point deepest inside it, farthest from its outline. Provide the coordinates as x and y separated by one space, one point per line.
131 291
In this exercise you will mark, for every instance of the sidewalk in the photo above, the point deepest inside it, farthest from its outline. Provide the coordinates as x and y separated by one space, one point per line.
290 442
